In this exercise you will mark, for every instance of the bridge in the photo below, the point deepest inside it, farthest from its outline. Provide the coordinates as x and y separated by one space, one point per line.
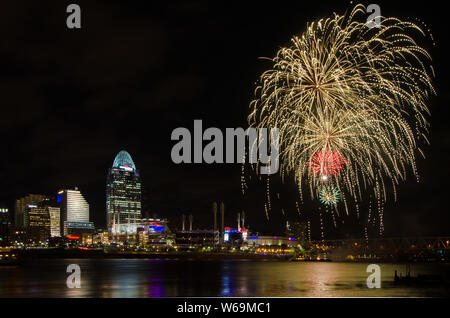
386 245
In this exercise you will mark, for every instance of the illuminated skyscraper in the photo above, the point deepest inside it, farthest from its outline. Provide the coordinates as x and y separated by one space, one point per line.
123 196
4 215
22 204
4 224
55 221
38 222
74 212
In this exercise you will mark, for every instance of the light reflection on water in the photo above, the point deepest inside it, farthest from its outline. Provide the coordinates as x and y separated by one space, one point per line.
168 278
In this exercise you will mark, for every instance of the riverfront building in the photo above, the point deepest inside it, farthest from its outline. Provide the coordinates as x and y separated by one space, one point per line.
271 241
55 221
4 223
74 213
22 204
154 231
123 196
38 222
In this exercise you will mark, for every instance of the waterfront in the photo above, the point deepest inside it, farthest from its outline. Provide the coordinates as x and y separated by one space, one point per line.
228 278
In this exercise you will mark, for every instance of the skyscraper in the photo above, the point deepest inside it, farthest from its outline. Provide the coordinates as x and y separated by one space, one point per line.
38 222
42 220
74 212
22 205
123 196
55 221
4 215
4 224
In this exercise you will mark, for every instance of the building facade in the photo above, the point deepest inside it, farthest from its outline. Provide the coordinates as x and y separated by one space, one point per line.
38 222
22 204
4 224
123 196
195 238
271 241
154 231
55 221
74 218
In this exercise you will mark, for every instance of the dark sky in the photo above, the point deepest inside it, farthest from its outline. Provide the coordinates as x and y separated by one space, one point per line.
72 99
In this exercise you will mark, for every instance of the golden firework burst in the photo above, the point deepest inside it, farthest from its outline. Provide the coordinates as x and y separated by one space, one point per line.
346 88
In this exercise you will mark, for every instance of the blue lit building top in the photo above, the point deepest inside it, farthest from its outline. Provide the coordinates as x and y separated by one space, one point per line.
123 161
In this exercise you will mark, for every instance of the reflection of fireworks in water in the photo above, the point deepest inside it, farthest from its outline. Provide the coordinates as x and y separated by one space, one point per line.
329 195
356 93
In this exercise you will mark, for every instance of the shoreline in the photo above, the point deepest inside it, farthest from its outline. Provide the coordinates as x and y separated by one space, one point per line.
96 254
26 255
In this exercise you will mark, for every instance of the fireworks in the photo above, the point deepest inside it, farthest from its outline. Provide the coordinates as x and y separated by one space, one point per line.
329 195
350 103
326 162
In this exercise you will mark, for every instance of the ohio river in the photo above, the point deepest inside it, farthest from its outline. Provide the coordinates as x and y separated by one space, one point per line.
239 278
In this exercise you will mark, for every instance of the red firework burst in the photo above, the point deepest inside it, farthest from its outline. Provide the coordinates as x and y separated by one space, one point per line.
327 162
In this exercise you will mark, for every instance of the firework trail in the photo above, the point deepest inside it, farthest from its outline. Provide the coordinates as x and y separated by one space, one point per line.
350 103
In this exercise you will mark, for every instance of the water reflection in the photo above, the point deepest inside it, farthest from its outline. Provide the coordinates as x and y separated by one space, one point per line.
169 278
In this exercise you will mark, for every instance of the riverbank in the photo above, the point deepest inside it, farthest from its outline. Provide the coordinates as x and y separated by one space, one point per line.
59 253
93 254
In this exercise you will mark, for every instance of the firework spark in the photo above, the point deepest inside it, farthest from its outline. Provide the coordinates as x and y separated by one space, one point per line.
343 88
329 195
326 162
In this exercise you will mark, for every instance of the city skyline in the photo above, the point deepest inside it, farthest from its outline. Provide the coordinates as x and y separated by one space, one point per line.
74 139
224 155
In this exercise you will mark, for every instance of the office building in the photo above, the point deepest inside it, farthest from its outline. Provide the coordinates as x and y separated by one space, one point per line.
4 224
21 205
123 196
38 222
55 221
74 217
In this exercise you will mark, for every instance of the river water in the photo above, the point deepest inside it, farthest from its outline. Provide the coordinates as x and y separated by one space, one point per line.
238 278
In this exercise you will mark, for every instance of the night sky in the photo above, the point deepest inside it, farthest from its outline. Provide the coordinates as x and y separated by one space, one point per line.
72 99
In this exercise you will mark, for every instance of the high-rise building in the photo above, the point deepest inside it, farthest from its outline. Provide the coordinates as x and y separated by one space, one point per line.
74 216
42 220
4 215
55 221
123 196
4 224
297 230
22 204
38 222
